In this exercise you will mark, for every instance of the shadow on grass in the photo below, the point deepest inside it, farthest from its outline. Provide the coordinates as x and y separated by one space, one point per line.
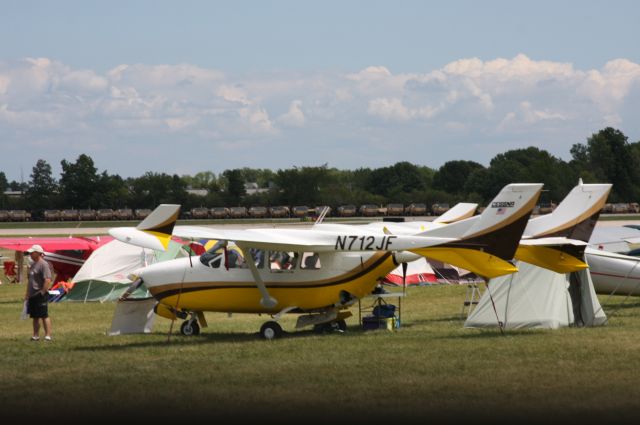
210 338
621 305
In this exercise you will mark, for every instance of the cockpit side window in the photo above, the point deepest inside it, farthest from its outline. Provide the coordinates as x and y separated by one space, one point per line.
212 259
310 261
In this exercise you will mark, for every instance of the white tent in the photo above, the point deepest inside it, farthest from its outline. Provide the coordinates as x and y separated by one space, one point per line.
133 316
104 275
538 298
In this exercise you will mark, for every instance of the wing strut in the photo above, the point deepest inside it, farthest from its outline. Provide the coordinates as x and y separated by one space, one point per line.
267 300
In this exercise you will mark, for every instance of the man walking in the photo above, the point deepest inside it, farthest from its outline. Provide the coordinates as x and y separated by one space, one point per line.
37 294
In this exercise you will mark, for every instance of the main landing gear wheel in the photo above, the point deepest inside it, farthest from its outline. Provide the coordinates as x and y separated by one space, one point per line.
271 330
190 327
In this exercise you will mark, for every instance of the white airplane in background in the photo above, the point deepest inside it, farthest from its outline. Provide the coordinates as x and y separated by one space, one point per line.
330 270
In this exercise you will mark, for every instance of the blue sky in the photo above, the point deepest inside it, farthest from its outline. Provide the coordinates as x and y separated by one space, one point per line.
189 86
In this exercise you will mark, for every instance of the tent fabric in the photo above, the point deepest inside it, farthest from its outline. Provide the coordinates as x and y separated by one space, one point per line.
133 316
418 272
104 276
538 298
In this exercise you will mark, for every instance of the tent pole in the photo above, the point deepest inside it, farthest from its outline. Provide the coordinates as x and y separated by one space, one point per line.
493 304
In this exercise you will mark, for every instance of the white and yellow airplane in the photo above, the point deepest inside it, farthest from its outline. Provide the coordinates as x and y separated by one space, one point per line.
329 270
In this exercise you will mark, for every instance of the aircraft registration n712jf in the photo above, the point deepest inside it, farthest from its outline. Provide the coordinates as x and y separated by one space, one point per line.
326 271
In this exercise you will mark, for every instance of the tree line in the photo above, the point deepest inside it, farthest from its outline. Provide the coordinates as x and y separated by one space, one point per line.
606 157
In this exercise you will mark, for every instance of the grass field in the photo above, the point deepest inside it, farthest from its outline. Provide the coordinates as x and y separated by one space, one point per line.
430 370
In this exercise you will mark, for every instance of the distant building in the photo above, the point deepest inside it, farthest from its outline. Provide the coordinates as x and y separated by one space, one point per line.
14 193
198 192
252 188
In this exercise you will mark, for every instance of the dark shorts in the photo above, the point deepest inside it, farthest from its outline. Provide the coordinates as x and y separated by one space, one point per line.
38 306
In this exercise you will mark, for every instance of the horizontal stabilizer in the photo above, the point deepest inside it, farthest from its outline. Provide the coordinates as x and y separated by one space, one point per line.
459 212
153 232
558 254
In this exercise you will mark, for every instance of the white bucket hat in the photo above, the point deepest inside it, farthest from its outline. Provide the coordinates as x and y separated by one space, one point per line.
35 248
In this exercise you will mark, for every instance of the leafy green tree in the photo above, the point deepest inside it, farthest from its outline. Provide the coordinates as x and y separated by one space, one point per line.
302 185
42 189
113 192
262 176
453 175
152 189
79 182
530 165
608 157
4 185
402 177
235 189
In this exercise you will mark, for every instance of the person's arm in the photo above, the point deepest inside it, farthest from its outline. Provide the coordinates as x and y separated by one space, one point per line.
47 279
45 286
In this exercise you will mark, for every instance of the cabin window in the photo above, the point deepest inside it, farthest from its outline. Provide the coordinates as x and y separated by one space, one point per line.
235 259
258 256
283 260
217 256
310 261
211 259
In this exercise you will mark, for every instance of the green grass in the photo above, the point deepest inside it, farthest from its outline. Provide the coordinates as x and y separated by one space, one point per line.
429 368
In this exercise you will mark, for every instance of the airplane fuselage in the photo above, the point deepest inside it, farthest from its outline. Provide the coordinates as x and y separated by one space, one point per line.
188 284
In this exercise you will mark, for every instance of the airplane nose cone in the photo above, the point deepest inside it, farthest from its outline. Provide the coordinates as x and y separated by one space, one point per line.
163 273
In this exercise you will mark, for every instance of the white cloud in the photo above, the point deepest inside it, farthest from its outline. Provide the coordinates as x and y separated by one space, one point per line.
295 116
466 103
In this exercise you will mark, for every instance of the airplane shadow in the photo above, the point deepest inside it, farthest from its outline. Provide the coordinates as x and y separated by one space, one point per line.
209 338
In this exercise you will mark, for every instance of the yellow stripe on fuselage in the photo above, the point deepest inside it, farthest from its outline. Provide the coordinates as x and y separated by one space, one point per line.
244 297
549 258
478 262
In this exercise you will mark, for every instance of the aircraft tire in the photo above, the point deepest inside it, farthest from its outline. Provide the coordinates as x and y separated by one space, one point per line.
271 330
189 328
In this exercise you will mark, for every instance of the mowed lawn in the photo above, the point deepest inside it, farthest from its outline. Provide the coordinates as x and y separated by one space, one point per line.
431 370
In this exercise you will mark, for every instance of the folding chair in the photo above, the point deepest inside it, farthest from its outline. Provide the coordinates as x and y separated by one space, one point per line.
10 271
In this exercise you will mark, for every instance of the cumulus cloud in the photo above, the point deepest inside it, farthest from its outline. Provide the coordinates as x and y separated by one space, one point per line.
295 116
443 114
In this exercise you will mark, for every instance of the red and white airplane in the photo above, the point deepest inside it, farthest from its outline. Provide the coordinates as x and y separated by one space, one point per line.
65 254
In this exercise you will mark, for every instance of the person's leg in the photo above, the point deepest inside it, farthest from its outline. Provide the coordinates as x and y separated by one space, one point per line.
36 327
47 326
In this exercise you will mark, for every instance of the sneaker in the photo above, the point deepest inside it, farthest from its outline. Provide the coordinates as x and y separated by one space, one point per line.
47 338
35 338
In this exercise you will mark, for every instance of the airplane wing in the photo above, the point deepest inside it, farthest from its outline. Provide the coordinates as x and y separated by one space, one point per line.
282 239
51 244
